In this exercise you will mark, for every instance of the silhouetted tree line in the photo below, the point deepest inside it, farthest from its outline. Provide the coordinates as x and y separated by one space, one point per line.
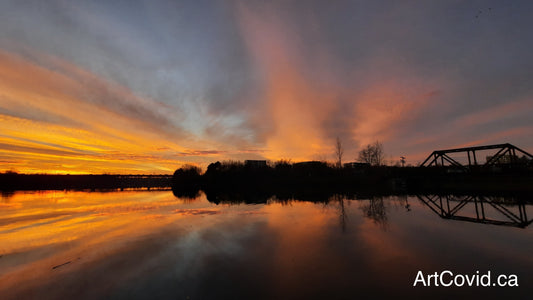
284 179
288 180
233 175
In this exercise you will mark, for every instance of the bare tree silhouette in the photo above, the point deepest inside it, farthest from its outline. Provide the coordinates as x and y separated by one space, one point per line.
339 152
376 211
372 154
342 211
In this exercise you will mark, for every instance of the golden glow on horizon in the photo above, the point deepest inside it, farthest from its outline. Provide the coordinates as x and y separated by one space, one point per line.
56 123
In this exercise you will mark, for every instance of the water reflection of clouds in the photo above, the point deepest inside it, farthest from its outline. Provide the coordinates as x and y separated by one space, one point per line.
151 244
196 212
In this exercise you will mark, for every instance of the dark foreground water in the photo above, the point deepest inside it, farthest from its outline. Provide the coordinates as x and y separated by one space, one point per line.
152 245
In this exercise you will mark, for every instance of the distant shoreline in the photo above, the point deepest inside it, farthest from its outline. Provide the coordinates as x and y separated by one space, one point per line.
287 178
15 181
319 176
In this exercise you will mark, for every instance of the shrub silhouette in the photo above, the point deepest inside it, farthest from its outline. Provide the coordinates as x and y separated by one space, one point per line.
187 177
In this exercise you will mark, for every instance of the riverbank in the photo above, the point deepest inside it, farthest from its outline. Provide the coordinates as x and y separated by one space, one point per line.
14 181
316 176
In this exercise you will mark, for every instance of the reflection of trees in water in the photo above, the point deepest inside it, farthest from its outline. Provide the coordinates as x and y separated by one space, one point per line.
5 195
401 201
376 211
406 202
186 195
283 201
342 211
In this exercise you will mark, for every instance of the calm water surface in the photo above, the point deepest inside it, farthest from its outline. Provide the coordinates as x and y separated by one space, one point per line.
153 245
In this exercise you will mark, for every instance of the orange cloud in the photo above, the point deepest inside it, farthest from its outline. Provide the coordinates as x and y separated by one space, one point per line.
303 115
58 118
383 109
294 110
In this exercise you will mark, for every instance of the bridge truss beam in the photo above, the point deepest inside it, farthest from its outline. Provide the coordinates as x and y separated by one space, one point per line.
440 157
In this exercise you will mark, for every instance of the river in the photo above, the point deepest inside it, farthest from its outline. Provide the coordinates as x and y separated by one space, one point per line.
153 245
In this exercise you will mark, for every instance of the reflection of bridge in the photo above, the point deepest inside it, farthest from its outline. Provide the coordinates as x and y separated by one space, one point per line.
506 154
449 207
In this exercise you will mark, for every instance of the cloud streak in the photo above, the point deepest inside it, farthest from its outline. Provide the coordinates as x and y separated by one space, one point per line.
58 115
95 87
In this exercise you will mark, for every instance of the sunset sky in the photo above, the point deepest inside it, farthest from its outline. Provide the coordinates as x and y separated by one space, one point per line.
146 86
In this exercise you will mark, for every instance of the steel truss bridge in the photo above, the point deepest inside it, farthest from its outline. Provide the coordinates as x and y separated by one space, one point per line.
505 154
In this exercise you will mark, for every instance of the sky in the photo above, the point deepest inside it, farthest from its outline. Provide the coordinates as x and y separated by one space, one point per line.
148 86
